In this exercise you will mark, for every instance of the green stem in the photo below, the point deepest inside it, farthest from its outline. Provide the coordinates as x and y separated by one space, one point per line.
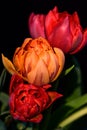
48 116
46 122
3 113
35 127
73 117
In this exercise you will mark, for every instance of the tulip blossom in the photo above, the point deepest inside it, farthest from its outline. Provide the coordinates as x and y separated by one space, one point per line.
61 29
36 61
27 102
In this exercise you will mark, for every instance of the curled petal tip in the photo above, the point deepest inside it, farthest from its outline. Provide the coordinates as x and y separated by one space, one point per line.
8 64
82 44
54 96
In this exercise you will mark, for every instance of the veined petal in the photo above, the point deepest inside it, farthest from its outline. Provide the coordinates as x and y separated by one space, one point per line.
39 75
30 61
53 66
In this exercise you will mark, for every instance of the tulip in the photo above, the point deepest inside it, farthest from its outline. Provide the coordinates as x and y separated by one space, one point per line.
27 102
62 30
36 61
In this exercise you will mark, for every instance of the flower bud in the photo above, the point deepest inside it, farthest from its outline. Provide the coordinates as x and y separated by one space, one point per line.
61 29
27 101
36 61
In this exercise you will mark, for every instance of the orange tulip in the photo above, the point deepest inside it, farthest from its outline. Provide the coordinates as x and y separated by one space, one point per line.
36 61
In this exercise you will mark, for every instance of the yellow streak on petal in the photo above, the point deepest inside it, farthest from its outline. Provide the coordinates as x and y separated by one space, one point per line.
61 60
8 65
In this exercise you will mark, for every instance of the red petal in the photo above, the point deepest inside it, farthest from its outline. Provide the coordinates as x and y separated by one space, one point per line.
77 38
51 20
82 44
46 86
37 119
61 35
15 81
36 25
53 96
74 20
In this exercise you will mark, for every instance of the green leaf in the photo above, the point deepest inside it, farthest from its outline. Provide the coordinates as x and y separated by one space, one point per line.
67 71
65 110
79 124
4 100
73 117
72 83
5 113
21 126
71 106
3 78
2 125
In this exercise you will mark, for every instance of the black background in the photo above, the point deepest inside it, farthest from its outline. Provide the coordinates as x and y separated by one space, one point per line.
14 16
14 24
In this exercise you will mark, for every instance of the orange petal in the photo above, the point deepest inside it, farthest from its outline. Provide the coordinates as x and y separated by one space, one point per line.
53 65
39 75
8 65
61 60
27 40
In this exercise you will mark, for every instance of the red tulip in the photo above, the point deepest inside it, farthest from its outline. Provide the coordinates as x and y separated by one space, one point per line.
27 101
62 30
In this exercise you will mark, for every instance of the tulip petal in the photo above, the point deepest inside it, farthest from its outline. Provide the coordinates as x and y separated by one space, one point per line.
8 65
36 25
39 75
53 96
27 40
18 59
82 44
47 86
51 20
53 66
31 60
61 35
15 81
36 119
61 59
77 38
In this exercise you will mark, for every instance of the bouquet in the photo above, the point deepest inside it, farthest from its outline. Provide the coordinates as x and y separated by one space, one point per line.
45 87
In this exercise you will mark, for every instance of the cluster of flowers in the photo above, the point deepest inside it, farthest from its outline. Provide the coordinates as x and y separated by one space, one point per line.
35 65
40 60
